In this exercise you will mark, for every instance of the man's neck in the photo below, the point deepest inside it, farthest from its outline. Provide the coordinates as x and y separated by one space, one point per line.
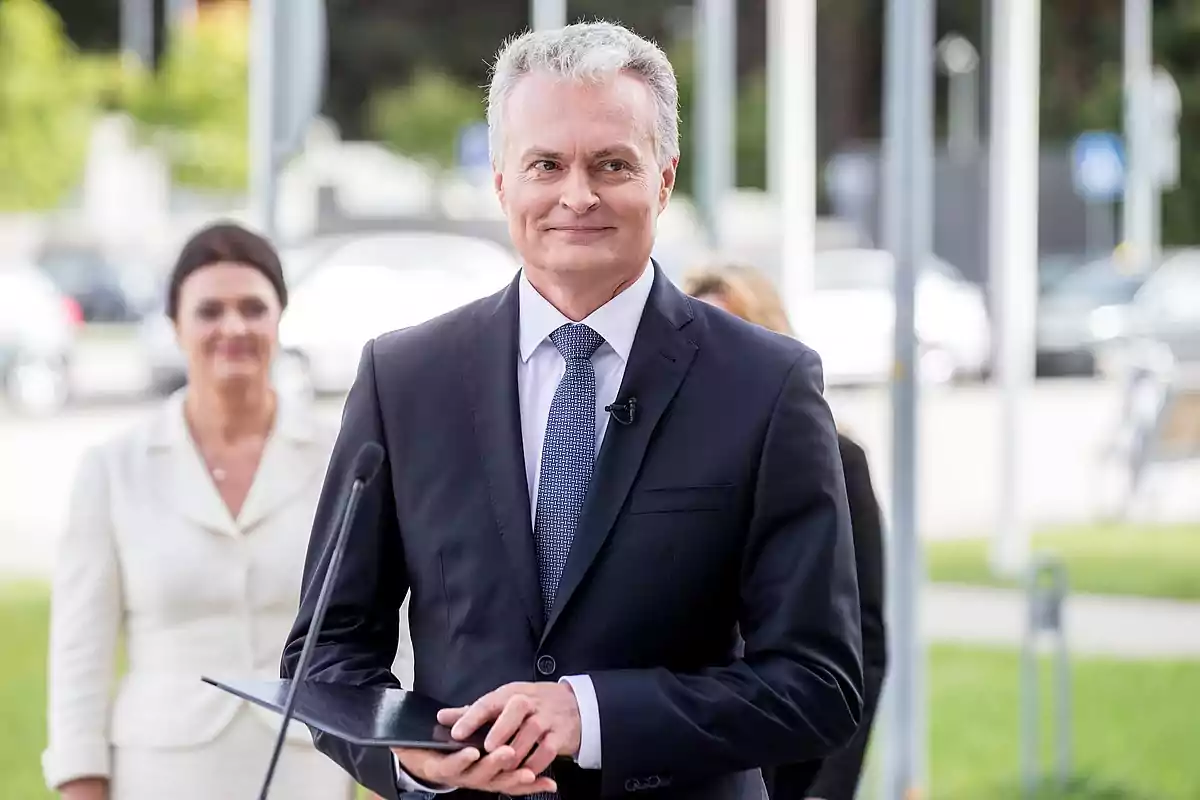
577 299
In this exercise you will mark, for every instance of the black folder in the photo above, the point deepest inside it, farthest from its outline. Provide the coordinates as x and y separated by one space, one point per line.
370 716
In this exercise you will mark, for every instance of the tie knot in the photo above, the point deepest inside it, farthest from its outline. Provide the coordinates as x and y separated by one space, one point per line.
576 341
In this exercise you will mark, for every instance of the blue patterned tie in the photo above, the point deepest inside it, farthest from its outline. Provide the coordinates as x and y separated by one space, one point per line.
568 453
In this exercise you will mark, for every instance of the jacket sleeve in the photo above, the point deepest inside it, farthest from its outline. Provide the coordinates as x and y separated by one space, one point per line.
359 636
85 619
796 693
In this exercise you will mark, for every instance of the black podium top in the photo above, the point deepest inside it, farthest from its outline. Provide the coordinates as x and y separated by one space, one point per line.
362 715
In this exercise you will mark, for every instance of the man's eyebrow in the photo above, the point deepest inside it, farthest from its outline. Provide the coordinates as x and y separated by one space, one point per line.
552 155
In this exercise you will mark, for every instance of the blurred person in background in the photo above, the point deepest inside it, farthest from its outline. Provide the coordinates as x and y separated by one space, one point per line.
747 293
184 545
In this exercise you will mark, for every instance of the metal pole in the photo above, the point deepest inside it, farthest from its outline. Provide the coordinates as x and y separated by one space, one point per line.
1013 246
180 11
1138 227
263 79
792 142
547 14
908 232
960 61
137 32
716 43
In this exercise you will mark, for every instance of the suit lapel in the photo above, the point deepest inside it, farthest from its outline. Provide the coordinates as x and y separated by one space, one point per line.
658 362
492 378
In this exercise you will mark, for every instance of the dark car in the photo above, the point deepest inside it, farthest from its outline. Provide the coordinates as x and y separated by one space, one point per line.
106 290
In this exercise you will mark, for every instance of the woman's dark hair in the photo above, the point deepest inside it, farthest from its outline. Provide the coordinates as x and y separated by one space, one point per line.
230 243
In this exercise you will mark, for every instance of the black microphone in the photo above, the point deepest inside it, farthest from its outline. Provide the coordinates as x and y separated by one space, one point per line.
366 463
623 413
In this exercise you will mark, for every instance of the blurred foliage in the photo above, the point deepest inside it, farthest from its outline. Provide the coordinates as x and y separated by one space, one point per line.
423 119
47 102
196 106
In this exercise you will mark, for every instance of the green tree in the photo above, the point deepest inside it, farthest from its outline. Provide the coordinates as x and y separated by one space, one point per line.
47 104
197 107
422 119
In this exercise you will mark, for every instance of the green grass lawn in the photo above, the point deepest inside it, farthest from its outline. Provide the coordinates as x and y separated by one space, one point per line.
1135 736
1124 560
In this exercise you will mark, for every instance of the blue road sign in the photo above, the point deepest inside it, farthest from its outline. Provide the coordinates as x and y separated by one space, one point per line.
1098 166
473 147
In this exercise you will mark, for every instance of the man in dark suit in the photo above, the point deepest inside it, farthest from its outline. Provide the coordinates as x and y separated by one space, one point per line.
593 485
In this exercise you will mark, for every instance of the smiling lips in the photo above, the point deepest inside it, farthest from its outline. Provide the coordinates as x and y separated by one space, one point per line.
581 230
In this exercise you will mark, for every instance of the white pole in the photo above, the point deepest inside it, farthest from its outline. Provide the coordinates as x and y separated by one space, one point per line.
262 114
908 234
547 15
716 112
1013 247
1138 211
137 32
792 142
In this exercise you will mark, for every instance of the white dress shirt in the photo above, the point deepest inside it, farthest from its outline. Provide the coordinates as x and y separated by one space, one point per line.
539 370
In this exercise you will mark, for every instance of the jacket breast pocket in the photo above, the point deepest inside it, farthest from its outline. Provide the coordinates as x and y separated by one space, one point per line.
717 497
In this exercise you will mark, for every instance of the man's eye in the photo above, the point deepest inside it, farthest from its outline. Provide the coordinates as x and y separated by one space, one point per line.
615 166
544 165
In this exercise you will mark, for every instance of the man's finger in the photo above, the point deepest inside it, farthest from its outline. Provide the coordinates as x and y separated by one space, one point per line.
543 755
527 737
449 716
484 772
481 712
511 719
514 786
447 769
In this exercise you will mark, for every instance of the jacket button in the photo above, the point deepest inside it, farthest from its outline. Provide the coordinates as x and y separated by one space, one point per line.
546 665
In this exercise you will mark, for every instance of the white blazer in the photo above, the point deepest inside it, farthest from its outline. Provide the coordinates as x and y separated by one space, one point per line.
151 559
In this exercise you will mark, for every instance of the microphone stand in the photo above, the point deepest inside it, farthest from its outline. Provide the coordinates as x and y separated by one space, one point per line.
310 640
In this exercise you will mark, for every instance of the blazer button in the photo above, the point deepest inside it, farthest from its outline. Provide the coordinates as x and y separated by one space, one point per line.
546 665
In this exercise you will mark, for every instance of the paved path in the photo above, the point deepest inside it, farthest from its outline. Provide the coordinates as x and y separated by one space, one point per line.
1095 625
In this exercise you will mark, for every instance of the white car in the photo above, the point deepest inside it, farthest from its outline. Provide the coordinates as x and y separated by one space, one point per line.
374 284
38 326
851 320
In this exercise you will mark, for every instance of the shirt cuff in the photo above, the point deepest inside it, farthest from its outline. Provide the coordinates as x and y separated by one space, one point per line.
408 783
589 720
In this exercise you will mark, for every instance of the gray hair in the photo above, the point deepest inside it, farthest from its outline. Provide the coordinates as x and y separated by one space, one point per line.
586 51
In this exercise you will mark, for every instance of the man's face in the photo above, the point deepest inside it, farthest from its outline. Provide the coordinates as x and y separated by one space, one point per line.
578 178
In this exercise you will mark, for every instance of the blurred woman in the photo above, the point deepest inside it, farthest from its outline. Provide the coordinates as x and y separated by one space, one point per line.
746 293
182 557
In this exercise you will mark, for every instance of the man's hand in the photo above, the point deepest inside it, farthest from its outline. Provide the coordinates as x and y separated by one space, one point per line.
539 721
532 724
499 772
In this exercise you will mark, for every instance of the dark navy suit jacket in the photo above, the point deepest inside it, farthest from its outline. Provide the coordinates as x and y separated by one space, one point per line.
721 509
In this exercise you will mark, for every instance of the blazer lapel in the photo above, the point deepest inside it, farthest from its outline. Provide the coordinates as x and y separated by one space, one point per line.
184 485
659 360
289 459
492 380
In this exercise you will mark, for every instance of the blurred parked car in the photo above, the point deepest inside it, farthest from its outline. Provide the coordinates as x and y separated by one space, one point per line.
106 290
1163 316
37 334
374 284
851 320
344 291
1081 312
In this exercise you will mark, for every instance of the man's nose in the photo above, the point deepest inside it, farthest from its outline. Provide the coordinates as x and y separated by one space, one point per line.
577 192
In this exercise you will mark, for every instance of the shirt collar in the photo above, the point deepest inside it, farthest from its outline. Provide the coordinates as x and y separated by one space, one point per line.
616 321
